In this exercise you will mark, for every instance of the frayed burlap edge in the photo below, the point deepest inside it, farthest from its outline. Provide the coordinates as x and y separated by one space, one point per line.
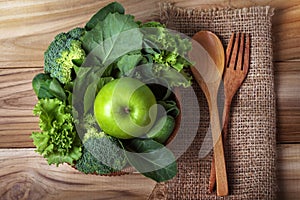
168 10
168 13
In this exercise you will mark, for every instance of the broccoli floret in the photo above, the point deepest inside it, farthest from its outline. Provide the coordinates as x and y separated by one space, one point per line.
90 123
101 154
63 54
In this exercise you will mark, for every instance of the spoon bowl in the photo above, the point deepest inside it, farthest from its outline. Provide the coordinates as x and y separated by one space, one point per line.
209 61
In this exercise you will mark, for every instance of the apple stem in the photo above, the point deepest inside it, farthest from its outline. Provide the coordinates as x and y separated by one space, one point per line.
126 110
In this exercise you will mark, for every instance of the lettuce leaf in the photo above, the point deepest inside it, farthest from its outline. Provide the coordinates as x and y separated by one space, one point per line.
58 141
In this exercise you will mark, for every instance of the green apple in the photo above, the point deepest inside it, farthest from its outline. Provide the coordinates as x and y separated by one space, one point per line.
125 108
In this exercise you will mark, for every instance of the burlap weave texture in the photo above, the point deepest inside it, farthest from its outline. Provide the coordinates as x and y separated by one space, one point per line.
250 149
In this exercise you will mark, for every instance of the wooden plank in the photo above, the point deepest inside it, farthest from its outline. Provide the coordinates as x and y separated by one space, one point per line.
286 26
17 100
287 85
26 175
27 27
289 171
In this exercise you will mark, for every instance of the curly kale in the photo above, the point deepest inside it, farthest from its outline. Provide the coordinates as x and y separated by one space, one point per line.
167 51
101 154
170 47
58 142
64 54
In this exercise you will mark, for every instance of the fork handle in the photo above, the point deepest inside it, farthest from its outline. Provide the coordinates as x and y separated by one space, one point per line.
225 119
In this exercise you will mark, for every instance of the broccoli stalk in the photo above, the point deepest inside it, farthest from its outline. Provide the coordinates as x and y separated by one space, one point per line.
64 54
101 153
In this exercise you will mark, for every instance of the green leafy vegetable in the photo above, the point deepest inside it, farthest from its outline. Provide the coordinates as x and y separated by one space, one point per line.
170 107
58 142
163 75
171 76
108 44
91 92
170 48
151 159
168 51
102 13
46 87
128 62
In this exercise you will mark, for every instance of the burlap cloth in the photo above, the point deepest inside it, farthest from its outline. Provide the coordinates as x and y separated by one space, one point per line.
251 146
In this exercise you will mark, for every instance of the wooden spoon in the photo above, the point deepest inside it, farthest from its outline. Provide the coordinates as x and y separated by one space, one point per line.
209 60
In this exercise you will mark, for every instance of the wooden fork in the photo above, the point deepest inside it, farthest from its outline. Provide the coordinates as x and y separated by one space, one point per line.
235 72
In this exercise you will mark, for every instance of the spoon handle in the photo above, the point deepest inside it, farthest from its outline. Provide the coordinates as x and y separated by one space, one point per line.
226 116
219 159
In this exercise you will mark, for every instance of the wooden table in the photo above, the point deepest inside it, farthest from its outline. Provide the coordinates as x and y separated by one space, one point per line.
26 29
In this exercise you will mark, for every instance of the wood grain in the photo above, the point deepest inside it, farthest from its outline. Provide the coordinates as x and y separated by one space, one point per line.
214 48
289 171
16 103
27 28
287 84
26 175
286 26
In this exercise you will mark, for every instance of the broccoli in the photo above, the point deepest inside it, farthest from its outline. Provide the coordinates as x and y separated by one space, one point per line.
89 122
101 154
63 54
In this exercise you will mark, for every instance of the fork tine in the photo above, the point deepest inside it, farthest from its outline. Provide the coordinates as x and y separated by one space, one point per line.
247 54
229 49
241 52
234 52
